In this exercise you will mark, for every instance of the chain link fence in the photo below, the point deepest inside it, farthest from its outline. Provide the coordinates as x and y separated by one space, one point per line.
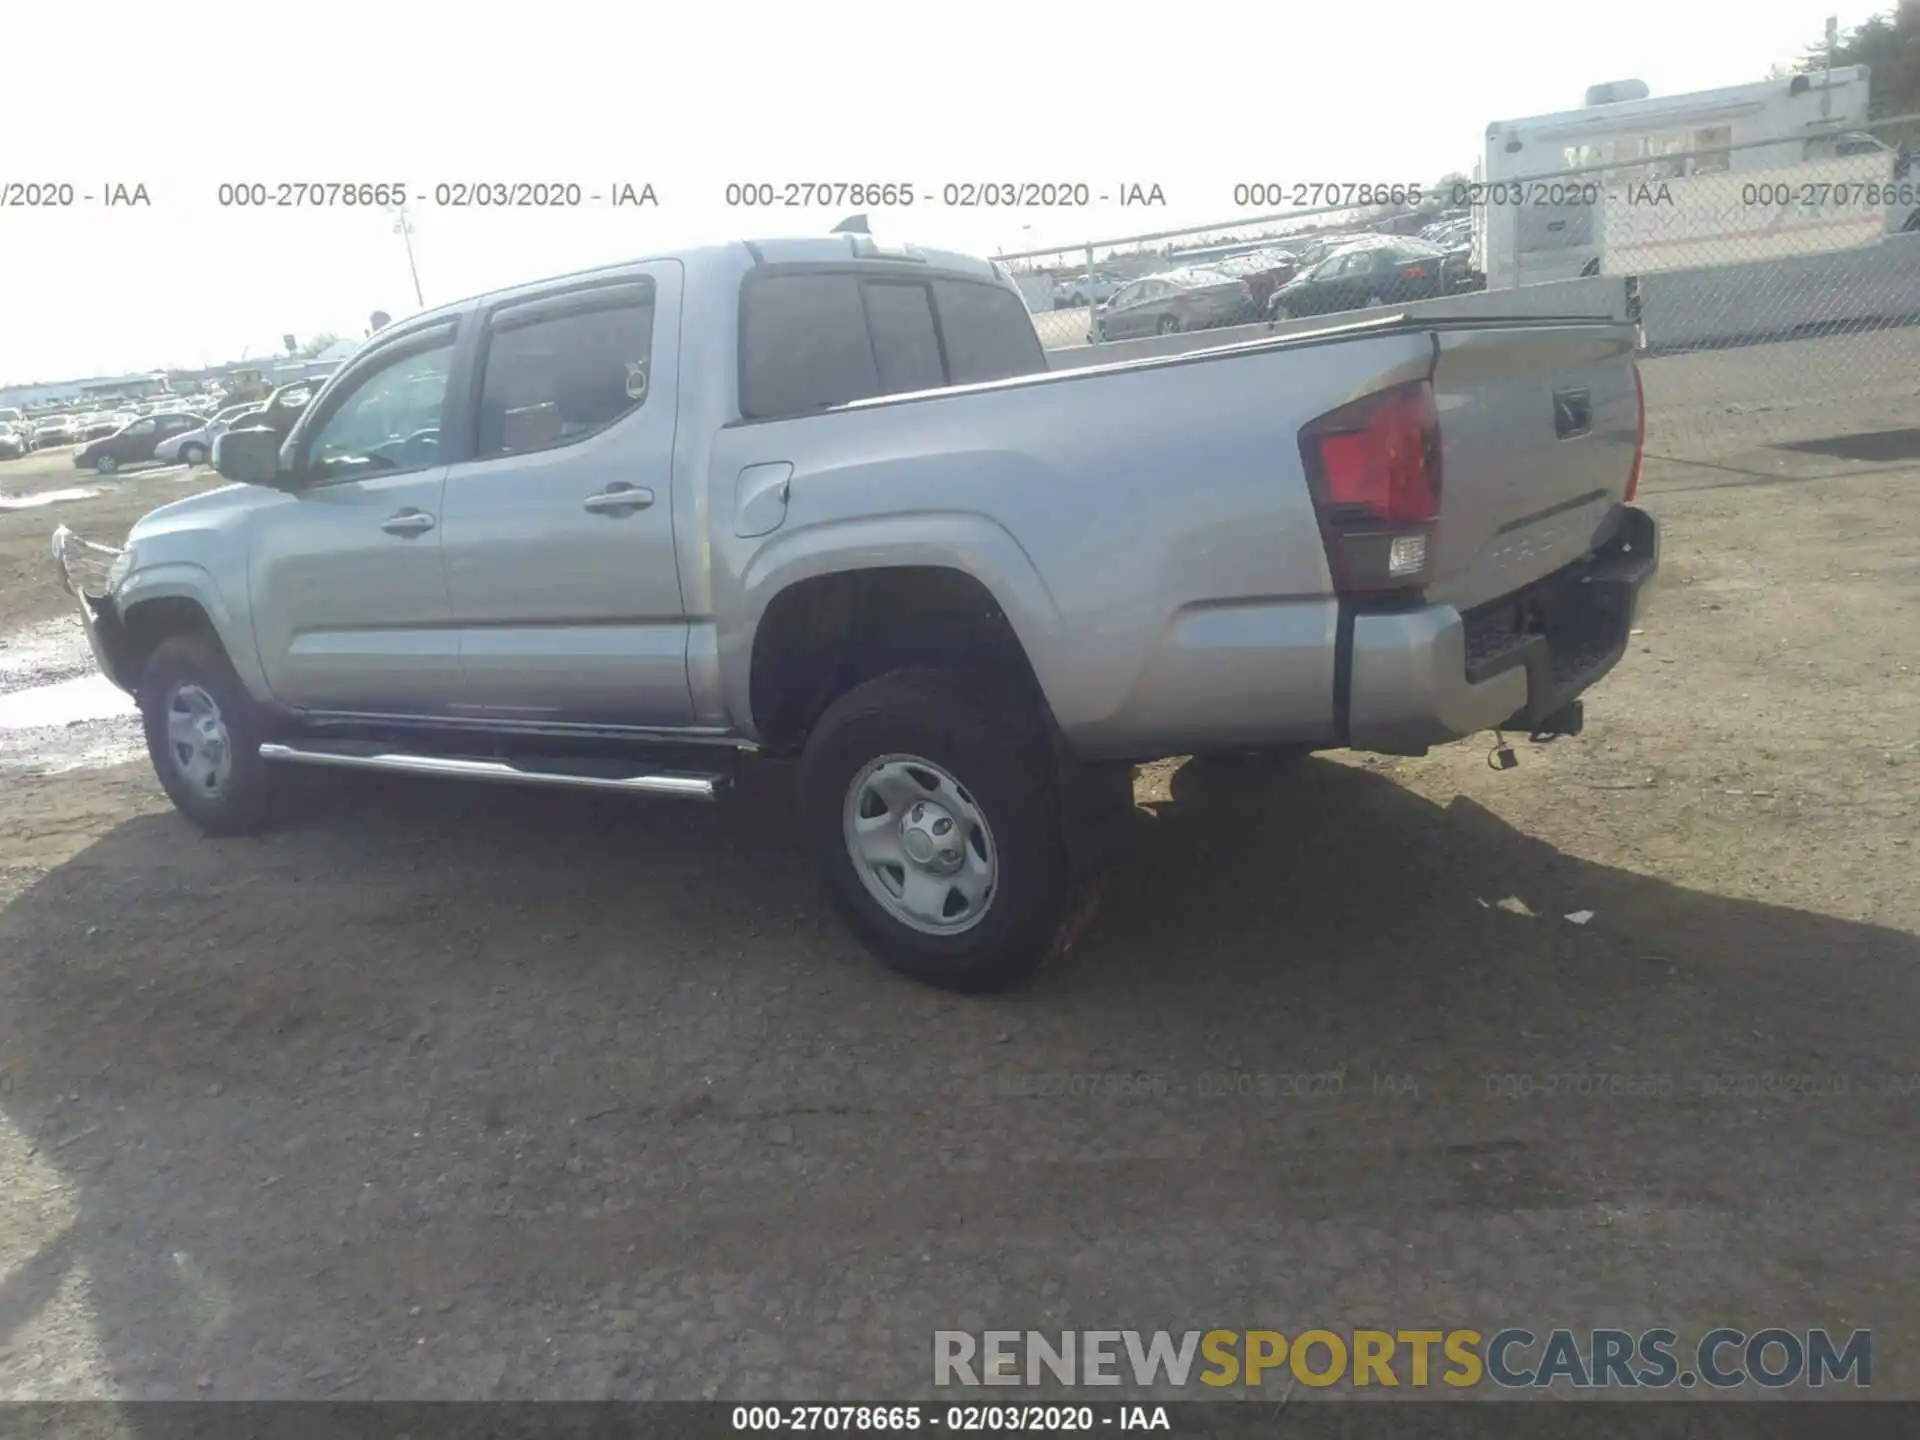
1777 283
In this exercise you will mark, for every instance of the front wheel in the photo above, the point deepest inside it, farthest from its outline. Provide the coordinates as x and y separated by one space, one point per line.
931 802
1167 325
203 736
193 454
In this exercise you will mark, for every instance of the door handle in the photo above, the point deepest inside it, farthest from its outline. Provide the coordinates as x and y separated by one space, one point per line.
408 522
618 498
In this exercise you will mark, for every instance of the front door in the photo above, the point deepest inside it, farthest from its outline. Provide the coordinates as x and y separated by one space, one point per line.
349 597
559 530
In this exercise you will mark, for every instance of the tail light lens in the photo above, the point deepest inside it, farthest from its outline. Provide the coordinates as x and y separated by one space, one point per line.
1639 433
1416 272
1373 467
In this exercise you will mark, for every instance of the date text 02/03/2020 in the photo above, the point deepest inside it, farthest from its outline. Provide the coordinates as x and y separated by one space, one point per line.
553 194
865 1418
953 194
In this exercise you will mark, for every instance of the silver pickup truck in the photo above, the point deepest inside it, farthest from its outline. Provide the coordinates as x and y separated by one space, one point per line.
823 498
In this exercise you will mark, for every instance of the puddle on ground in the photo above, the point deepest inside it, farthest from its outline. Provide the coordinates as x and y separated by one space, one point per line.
40 654
65 703
56 711
45 497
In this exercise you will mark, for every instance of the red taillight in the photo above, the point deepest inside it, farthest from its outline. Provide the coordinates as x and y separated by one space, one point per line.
1374 470
1417 272
1639 434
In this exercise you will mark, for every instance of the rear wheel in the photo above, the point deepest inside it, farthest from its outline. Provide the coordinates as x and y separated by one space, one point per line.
930 800
203 736
1375 301
106 465
1168 324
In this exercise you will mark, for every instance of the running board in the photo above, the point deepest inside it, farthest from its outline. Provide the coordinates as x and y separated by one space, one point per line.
680 784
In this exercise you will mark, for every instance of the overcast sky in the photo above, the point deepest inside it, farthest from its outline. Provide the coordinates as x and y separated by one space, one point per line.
688 98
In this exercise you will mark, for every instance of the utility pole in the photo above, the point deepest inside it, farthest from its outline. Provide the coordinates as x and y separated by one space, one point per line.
1826 79
403 227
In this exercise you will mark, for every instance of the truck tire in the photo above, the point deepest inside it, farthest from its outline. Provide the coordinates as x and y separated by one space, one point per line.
930 800
203 736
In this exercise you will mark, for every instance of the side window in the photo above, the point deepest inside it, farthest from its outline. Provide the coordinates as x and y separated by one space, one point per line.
905 345
803 345
988 332
556 379
143 427
389 421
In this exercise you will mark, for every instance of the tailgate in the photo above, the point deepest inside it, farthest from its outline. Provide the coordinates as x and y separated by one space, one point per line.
1539 426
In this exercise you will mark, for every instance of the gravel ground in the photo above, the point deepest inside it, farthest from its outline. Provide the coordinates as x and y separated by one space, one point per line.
445 1092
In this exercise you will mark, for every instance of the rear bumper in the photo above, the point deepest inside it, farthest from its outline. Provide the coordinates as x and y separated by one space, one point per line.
1418 678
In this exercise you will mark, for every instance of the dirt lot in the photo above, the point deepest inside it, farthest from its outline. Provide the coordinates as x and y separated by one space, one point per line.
446 1092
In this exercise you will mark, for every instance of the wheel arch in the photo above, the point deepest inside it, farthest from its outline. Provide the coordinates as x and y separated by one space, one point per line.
168 600
824 580
824 634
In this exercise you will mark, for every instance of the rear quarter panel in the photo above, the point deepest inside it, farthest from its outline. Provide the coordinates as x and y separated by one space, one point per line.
1146 528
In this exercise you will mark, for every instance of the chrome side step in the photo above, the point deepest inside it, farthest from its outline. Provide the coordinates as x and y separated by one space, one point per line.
683 785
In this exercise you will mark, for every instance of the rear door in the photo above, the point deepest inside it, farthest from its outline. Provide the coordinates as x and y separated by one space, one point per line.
168 426
1122 317
1539 425
558 529
136 442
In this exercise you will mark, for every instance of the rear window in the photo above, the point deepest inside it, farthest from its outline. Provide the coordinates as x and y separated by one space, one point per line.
905 345
811 341
988 332
803 345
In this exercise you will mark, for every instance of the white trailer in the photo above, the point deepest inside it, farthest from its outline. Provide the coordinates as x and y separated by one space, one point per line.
1638 186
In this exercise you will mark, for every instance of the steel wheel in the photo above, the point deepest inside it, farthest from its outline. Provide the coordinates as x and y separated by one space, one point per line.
197 739
920 844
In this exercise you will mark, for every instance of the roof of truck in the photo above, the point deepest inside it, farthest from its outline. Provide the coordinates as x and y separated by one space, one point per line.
797 250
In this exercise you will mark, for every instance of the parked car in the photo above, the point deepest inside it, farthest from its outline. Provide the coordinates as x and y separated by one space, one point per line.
95 424
1379 270
537 538
54 430
195 447
15 439
132 444
1264 271
278 413
1176 300
1450 235
1093 288
1314 251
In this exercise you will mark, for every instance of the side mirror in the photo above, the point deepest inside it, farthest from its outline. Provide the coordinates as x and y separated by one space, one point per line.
251 457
